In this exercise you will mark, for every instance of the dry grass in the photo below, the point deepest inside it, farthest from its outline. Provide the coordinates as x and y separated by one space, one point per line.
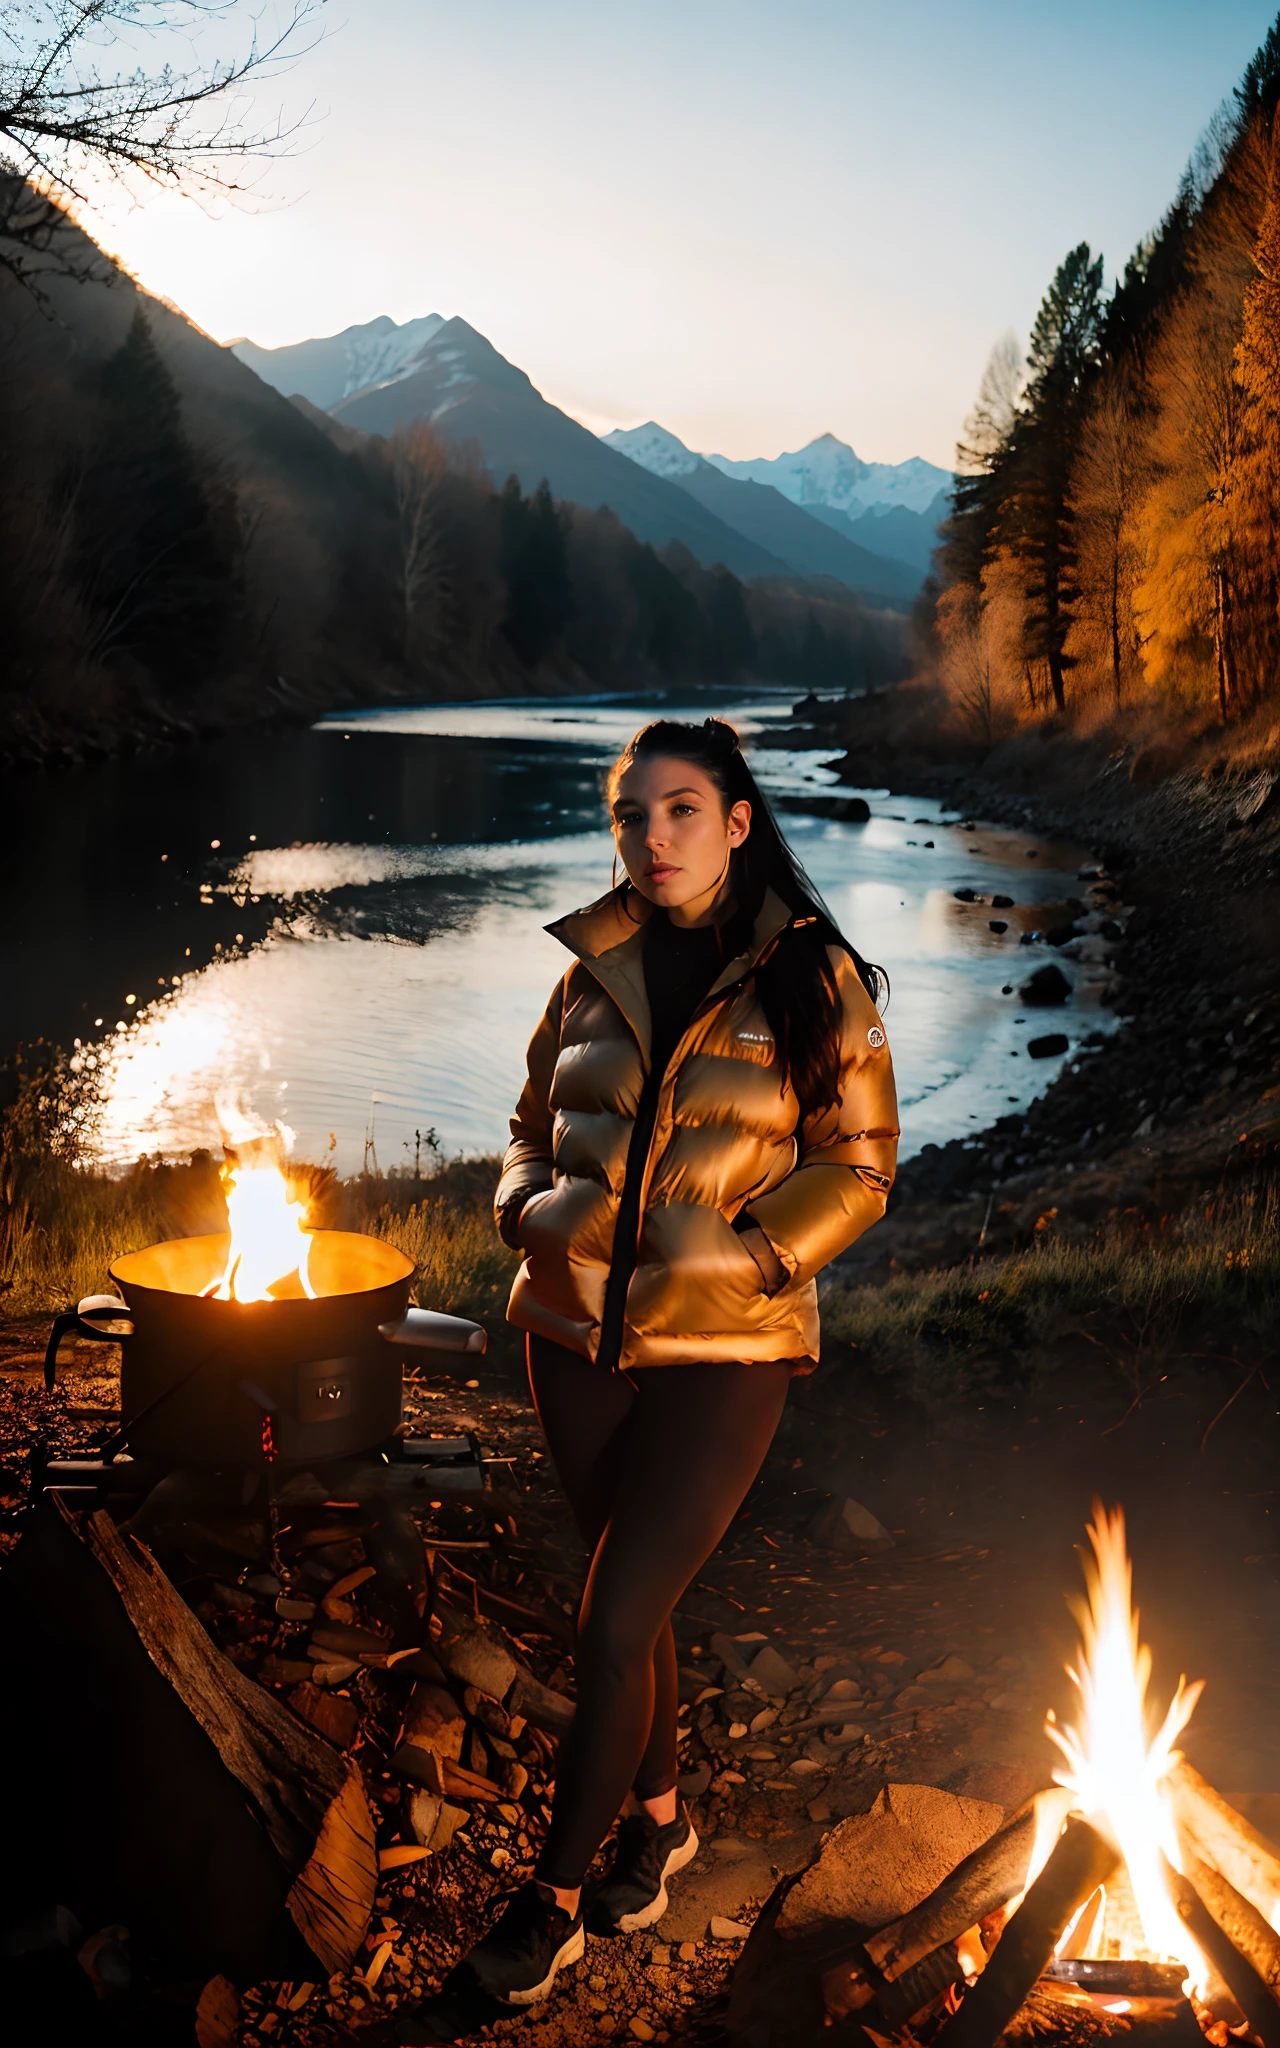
59 1236
1218 1271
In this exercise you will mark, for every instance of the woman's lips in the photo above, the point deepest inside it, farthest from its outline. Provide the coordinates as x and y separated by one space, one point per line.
662 871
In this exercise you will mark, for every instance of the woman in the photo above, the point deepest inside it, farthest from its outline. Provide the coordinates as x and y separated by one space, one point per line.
709 1119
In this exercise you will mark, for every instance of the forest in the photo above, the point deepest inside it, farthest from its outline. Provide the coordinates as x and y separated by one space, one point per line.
1113 551
181 548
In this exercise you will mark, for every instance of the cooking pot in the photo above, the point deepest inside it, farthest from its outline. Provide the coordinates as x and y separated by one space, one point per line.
295 1379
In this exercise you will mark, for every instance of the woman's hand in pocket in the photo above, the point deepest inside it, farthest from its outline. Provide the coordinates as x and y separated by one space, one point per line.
773 1274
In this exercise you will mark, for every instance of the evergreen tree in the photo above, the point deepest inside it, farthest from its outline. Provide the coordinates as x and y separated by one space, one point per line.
534 560
731 641
1062 358
156 555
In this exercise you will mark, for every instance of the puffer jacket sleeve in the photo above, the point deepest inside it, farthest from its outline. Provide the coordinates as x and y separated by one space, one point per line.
841 1180
527 1161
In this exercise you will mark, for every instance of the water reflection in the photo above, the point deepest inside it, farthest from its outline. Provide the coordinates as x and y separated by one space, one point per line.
344 926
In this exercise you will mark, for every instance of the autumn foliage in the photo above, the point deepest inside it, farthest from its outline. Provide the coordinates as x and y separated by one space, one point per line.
1113 549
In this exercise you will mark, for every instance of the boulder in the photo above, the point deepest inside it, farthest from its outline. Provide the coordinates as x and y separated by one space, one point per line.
844 1524
1047 988
1048 1046
772 1673
878 1865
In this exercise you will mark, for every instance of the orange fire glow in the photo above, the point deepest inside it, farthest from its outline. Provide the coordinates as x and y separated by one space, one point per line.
269 1245
1113 1771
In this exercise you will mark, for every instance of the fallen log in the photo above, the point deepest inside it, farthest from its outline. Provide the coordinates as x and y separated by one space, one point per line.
160 1785
1083 1859
1242 1923
1236 1971
1222 1837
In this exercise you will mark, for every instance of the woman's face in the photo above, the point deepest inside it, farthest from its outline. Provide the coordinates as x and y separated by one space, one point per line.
674 835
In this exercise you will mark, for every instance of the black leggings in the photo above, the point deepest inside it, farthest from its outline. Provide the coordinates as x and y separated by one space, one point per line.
654 1465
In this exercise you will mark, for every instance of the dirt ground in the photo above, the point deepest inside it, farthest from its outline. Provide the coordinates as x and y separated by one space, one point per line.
954 1640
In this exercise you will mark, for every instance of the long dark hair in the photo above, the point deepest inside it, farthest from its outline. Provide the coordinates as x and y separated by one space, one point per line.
795 983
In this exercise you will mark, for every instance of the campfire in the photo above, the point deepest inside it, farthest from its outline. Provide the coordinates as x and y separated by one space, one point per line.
1128 1895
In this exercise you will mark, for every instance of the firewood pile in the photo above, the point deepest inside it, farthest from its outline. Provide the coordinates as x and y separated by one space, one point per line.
260 1766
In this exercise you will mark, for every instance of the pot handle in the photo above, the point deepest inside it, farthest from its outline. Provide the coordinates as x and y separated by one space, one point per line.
430 1330
104 1317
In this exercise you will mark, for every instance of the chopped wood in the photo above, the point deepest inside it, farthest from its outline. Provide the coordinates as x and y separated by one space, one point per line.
349 1642
338 1593
448 1780
541 1707
332 1716
1222 1837
1236 1971
221 1823
1243 1923
987 1879
1083 1859
513 1614
398 1858
433 1721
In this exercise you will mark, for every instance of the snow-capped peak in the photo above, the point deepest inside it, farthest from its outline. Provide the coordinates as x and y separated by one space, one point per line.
331 367
827 472
654 448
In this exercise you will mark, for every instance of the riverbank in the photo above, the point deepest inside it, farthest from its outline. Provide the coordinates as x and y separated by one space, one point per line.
1077 1300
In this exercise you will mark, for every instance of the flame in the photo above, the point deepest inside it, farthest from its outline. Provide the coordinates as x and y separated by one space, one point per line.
269 1244
1115 1775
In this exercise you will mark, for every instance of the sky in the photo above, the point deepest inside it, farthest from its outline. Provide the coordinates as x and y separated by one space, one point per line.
753 221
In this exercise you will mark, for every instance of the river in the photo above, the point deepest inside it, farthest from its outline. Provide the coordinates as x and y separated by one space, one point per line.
341 927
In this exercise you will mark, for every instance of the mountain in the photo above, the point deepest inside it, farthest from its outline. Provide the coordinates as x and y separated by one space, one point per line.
471 394
334 366
891 529
808 546
891 507
827 472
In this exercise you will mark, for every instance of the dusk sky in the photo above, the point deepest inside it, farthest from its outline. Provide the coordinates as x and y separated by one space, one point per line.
751 221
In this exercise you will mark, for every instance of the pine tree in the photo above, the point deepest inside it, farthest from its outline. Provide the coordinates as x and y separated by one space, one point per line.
157 547
731 642
1061 361
535 565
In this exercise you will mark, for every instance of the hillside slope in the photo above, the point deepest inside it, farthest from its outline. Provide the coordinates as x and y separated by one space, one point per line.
470 393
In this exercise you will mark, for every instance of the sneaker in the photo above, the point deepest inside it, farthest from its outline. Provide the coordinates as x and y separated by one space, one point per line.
634 1894
519 1958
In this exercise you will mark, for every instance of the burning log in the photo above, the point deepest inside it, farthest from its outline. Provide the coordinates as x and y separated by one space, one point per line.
1083 1859
1241 1922
995 1873
1223 1838
159 1783
1236 1971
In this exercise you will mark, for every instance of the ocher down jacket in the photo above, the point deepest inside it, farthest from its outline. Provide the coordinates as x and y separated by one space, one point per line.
726 1137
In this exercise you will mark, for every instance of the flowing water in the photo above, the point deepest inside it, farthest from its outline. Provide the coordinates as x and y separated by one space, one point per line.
342 928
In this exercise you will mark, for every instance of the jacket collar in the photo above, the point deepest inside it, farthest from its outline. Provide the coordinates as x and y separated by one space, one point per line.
608 937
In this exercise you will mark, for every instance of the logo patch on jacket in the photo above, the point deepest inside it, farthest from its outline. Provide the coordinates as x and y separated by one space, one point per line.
875 1037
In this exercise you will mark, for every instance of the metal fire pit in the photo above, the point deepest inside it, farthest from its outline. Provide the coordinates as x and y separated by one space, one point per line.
298 1381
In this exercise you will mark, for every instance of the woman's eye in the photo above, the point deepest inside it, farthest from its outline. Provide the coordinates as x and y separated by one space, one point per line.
684 810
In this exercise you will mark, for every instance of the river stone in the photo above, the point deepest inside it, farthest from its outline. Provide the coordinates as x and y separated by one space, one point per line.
1048 986
880 1864
772 1673
1048 1047
843 1524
